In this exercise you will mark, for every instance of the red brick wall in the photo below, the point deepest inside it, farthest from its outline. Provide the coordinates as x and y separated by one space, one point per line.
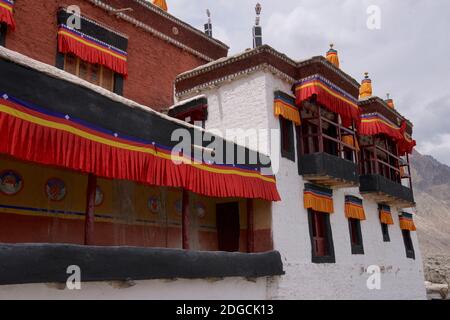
153 63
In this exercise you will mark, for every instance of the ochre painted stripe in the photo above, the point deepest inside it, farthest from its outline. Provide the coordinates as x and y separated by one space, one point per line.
83 134
90 44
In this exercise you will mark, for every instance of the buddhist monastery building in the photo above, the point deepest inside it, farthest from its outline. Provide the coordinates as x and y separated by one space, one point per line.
95 101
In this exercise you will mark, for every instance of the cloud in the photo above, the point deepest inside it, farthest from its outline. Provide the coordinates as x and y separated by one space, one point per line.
407 57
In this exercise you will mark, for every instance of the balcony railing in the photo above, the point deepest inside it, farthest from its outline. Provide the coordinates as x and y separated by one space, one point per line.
385 174
328 151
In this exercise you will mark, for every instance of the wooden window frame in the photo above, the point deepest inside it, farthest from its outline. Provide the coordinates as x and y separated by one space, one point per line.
313 139
393 167
287 133
101 68
356 234
409 246
330 257
385 232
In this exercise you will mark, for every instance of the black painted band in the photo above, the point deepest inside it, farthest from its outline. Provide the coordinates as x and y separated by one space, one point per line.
48 263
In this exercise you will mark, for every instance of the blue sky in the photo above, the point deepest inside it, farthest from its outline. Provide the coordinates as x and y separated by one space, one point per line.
408 57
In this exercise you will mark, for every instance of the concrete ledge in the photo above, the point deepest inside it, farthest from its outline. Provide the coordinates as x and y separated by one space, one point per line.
44 263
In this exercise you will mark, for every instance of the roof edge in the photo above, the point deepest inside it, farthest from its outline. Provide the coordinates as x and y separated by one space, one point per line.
156 9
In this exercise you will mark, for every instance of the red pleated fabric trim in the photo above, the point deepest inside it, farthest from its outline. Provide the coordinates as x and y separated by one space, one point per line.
331 100
378 127
6 15
35 140
92 52
406 146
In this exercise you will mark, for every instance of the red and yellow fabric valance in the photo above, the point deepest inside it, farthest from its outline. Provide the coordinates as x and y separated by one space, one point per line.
92 50
284 106
31 133
374 123
407 222
354 208
318 198
385 214
406 145
6 13
330 96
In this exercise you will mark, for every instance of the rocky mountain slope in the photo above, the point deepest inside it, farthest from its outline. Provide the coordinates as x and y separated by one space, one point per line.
431 181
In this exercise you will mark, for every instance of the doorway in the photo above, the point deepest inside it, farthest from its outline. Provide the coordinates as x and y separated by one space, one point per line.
228 226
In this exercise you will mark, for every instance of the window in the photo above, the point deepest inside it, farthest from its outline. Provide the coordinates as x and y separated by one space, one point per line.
356 236
287 139
2 34
321 237
94 73
385 232
408 244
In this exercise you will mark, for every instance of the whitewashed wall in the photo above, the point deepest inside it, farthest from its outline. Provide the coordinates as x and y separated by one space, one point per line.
248 103
178 289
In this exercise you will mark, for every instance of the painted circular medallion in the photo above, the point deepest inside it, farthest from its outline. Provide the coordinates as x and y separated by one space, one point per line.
154 204
11 182
99 196
55 189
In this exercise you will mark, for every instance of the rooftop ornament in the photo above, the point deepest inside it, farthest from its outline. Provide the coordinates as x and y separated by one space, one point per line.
365 91
332 56
208 25
258 10
161 4
257 29
389 101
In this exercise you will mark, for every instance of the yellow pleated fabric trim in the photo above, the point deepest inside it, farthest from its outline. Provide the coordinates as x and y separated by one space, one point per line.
318 203
351 141
406 224
386 218
287 111
354 211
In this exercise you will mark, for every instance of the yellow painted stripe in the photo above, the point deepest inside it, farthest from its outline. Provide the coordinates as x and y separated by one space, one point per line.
7 7
83 134
329 91
24 212
65 216
92 45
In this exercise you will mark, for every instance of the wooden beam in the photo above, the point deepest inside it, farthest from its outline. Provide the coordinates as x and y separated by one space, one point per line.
185 220
90 210
250 227
319 117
